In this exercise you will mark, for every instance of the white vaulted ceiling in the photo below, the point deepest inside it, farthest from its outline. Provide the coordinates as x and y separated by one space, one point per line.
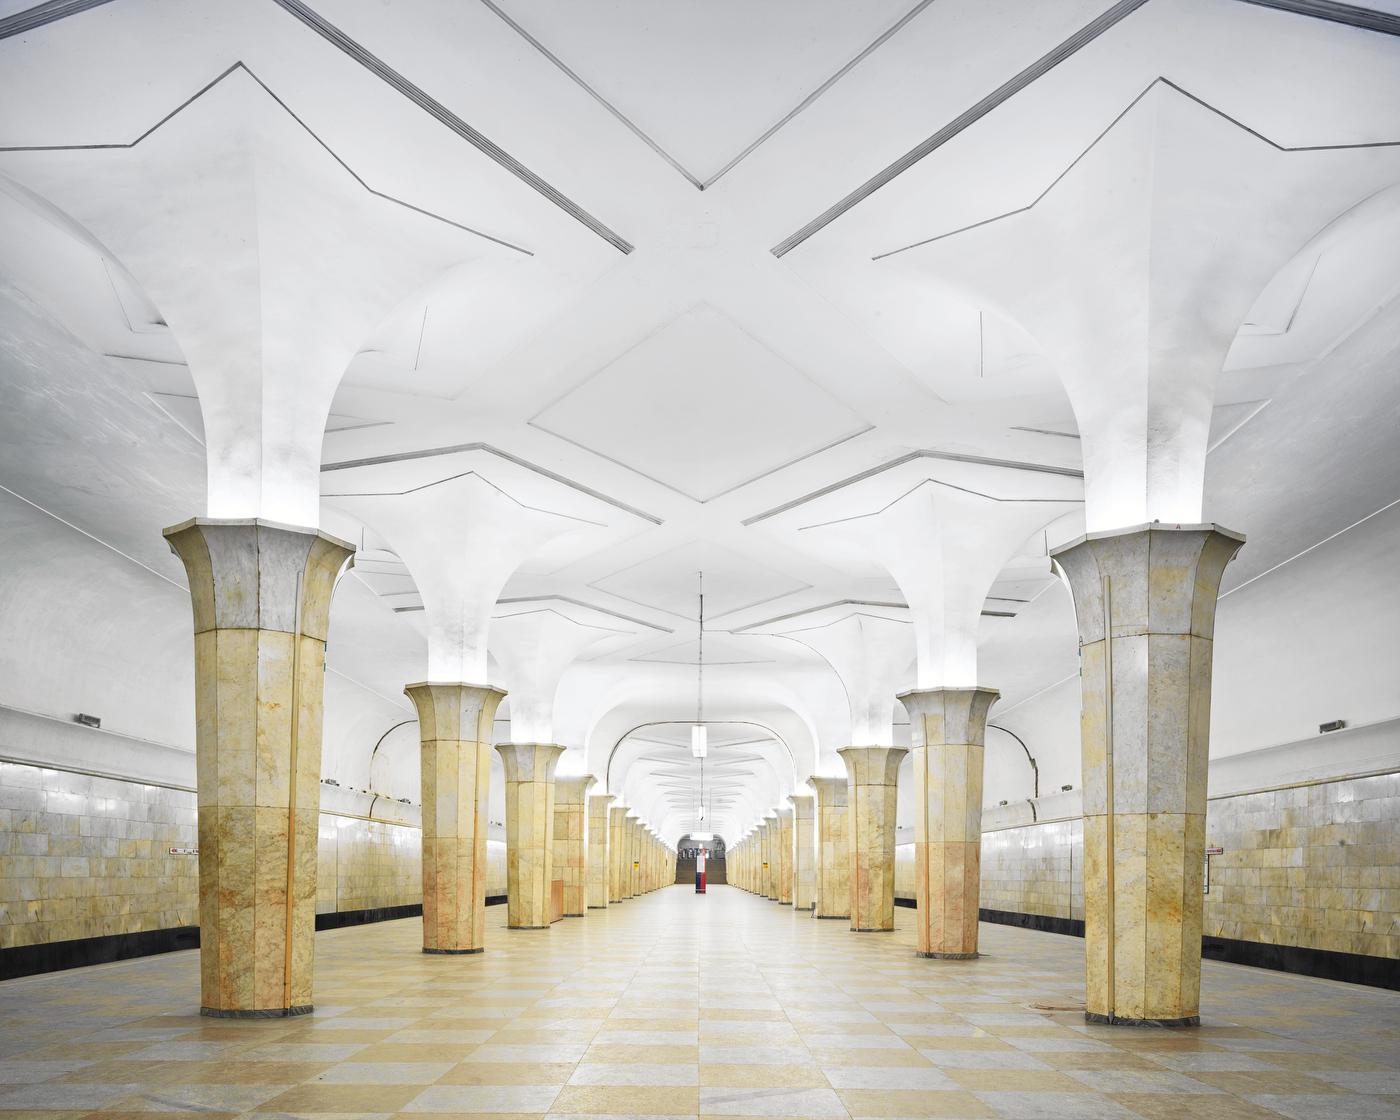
655 297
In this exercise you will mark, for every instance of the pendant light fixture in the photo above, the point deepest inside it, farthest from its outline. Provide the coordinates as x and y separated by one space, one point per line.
699 742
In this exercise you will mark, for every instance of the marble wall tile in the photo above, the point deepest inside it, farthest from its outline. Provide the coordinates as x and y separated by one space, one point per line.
90 856
1314 866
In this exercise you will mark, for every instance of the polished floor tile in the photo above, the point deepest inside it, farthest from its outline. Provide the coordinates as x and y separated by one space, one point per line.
676 1006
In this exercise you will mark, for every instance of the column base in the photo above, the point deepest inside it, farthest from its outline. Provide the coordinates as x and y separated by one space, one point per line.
256 1013
948 956
1122 1021
832 917
527 927
453 952
873 929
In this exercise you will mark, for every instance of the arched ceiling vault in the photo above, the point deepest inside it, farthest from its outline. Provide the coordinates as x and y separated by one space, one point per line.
440 275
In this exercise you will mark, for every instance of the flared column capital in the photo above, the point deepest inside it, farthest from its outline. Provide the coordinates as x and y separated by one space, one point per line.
873 766
1162 579
245 574
454 711
530 762
572 791
830 791
948 715
802 805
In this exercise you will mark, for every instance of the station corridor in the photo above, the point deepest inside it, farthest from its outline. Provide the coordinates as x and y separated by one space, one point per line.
681 1005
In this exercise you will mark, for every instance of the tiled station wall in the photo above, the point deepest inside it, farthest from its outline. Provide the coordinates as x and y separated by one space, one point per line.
1315 866
84 856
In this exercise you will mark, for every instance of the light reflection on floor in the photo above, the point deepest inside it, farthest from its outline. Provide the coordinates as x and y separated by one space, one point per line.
679 1005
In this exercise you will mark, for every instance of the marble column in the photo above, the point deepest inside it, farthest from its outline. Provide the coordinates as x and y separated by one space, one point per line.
784 856
599 850
617 851
629 859
454 728
571 841
803 855
873 776
529 769
833 871
261 595
948 730
1145 602
762 864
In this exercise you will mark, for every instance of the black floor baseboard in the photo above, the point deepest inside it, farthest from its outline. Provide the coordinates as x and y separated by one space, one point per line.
31 960
342 918
56 956
1350 968
1071 927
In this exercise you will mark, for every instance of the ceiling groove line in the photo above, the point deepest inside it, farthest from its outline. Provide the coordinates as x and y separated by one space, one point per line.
586 606
1160 80
1003 93
611 109
440 112
806 103
243 67
454 449
814 610
31 19
949 456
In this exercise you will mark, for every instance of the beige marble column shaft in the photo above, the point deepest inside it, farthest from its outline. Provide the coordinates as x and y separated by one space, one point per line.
261 596
1145 602
617 851
803 852
784 855
832 822
629 861
599 850
571 841
873 778
529 772
767 873
948 730
454 727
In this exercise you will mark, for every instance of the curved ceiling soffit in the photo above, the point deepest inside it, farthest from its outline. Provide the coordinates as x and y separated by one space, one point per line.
771 732
643 693
1171 86
1350 240
819 656
979 295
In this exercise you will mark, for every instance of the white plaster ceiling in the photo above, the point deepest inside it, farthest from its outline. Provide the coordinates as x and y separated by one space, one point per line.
695 398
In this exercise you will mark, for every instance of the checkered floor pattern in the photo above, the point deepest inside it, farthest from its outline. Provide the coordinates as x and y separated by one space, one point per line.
677 1005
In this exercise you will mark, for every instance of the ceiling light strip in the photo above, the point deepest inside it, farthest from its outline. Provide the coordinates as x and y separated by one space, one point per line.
40 14
1367 19
612 109
1038 69
950 456
446 117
